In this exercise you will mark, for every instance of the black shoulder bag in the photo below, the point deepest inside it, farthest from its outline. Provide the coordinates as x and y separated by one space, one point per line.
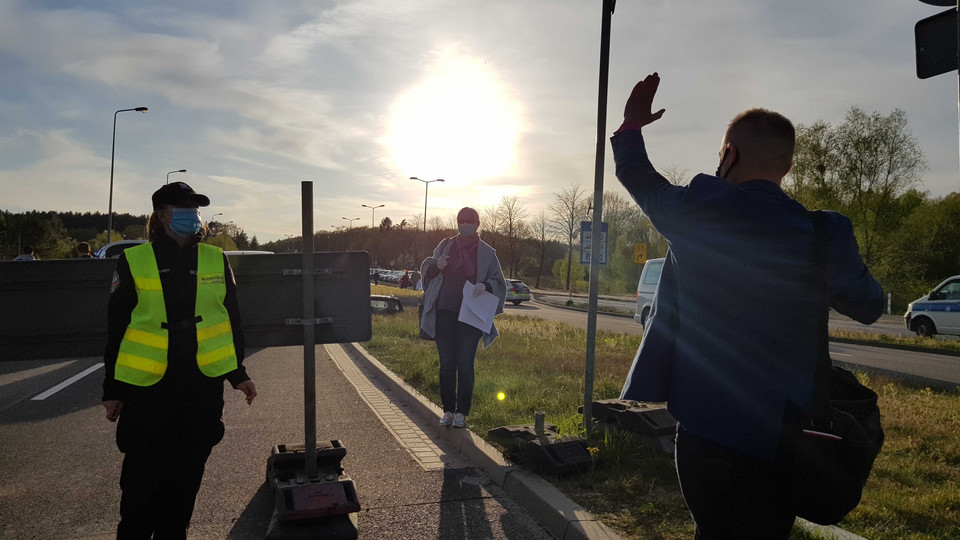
832 450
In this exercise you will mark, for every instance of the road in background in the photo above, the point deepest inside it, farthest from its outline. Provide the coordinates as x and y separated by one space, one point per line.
891 325
926 368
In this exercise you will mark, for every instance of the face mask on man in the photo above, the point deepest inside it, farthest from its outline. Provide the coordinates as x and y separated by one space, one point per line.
467 229
186 222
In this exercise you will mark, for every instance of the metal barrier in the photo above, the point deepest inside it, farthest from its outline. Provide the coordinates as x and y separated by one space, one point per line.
58 308
54 309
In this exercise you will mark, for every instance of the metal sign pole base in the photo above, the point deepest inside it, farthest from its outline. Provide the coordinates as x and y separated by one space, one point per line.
323 505
313 498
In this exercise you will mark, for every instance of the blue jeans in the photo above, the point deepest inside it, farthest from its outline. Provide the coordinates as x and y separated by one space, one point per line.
457 347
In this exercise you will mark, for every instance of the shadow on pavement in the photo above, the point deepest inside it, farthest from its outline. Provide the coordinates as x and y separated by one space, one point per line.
255 518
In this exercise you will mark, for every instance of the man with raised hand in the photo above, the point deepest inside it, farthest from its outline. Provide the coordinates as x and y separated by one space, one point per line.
734 339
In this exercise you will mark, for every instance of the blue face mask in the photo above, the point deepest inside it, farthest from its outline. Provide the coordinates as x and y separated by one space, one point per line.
186 222
467 229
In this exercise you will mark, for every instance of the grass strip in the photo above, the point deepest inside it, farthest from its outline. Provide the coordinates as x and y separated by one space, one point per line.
913 493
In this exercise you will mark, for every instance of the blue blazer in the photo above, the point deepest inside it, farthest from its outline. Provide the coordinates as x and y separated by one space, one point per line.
732 341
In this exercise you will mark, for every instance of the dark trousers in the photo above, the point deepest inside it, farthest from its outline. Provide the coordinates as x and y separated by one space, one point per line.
731 494
457 347
159 491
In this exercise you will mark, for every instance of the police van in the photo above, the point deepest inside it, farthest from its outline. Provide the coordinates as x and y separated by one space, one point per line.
938 312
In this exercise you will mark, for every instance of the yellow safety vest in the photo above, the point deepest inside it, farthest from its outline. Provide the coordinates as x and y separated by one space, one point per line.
142 360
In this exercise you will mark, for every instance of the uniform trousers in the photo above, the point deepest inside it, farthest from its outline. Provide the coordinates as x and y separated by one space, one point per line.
159 491
733 495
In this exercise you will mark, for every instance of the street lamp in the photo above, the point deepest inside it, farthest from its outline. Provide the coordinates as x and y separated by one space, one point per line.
351 220
425 187
113 147
373 211
171 172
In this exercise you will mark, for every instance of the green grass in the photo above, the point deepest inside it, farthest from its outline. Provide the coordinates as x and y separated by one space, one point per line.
395 291
913 493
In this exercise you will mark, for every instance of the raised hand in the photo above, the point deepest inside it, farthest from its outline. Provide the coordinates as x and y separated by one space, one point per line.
640 102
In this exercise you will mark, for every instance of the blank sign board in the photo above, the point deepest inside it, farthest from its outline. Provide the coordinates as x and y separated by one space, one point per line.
271 305
936 39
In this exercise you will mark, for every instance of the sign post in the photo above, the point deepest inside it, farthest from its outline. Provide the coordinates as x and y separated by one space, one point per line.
587 244
608 7
639 253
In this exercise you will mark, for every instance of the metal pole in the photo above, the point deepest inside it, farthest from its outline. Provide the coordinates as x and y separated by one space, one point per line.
608 7
113 147
426 187
309 345
958 63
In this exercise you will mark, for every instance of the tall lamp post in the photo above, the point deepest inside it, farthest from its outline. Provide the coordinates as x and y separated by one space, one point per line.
426 186
373 211
113 148
171 172
350 220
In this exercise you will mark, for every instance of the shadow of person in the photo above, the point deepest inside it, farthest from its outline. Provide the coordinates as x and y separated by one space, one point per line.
462 508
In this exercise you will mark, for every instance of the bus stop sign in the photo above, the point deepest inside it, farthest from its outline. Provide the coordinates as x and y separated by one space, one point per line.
936 41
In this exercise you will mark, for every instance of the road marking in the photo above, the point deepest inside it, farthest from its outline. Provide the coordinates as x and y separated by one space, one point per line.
66 383
839 354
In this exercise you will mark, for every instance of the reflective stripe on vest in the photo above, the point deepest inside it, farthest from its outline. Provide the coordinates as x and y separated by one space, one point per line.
142 360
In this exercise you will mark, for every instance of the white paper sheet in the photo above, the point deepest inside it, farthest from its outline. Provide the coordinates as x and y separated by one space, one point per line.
478 311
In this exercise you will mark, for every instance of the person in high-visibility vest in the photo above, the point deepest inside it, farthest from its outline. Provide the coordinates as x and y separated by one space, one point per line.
173 337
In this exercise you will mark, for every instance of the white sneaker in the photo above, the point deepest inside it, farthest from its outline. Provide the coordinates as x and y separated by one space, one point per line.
459 420
447 419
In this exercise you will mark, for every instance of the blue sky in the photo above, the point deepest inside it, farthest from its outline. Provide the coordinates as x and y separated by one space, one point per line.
498 97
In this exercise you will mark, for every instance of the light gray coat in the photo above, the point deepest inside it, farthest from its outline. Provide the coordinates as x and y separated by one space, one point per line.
488 271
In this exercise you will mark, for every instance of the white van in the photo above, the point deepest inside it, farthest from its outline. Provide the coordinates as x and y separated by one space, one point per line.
938 312
646 288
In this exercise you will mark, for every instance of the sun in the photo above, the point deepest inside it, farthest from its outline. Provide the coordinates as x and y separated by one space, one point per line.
459 122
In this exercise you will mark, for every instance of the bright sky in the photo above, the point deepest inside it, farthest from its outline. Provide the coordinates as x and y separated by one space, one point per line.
498 97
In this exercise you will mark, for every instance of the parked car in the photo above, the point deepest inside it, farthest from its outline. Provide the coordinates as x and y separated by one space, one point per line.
385 304
938 312
114 249
647 288
517 292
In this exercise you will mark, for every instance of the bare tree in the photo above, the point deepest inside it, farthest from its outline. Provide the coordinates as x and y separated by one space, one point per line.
540 228
491 226
510 213
568 208
676 174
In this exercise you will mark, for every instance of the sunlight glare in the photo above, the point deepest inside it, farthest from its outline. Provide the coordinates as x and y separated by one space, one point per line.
457 123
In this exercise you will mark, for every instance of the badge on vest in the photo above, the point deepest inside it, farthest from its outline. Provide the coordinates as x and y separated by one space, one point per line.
211 279
115 284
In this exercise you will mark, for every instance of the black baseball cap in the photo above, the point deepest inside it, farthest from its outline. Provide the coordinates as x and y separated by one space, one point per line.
178 193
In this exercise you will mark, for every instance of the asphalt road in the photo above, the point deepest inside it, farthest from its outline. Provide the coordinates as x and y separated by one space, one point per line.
60 466
889 325
926 368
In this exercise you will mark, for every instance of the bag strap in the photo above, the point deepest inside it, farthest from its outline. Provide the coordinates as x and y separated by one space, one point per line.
821 381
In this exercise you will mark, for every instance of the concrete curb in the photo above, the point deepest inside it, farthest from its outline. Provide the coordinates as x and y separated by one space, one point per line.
559 515
564 306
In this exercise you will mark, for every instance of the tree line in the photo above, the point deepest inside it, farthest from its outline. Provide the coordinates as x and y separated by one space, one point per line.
55 235
867 166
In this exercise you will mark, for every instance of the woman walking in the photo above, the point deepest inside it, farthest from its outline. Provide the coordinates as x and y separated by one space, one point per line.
173 336
455 262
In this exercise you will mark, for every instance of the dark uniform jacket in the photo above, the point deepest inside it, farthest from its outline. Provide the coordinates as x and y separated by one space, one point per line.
185 407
